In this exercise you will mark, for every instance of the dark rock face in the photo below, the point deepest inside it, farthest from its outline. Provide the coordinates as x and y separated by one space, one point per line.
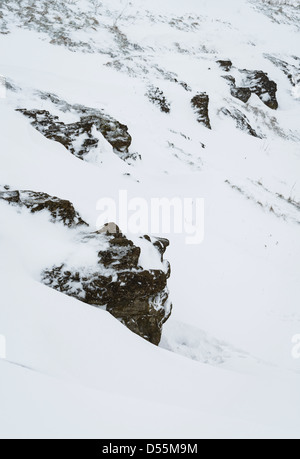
255 82
69 134
157 97
200 104
136 297
225 65
241 120
259 83
59 209
81 137
121 255
242 94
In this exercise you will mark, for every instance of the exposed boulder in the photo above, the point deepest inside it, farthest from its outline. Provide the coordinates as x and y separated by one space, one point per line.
259 83
200 104
114 279
60 210
121 254
82 136
254 82
138 298
225 64
242 94
112 130
66 134
79 138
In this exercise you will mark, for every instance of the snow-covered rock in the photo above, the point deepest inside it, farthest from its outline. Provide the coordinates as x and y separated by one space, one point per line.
96 97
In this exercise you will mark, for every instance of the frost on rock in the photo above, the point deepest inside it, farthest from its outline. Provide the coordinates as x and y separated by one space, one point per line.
242 94
259 83
113 279
200 104
60 210
81 137
138 298
157 97
225 65
254 82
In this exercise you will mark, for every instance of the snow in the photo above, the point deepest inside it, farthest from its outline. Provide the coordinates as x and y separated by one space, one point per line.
73 370
84 367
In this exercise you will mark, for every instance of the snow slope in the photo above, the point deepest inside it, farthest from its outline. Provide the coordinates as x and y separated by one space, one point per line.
73 370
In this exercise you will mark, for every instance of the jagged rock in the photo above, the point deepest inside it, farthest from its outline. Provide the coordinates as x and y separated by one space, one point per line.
225 65
259 83
157 97
113 131
255 82
60 210
122 254
67 135
136 297
141 303
79 138
242 94
200 104
241 120
82 136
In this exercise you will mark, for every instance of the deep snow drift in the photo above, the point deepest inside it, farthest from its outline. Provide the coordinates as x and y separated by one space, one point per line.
74 370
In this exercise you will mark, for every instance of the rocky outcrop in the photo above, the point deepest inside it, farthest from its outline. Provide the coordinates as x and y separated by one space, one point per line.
254 82
242 94
79 138
157 97
136 297
60 210
225 65
259 83
82 136
121 254
200 104
66 134
241 120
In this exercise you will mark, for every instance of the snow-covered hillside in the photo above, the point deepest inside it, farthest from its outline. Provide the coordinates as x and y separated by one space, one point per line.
194 99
